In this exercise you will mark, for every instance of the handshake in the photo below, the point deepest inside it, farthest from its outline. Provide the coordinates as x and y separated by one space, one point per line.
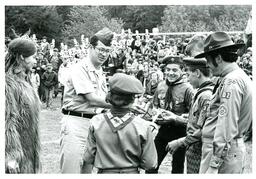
161 116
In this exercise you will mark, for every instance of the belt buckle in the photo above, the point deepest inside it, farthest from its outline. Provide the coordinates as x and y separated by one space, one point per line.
68 113
82 114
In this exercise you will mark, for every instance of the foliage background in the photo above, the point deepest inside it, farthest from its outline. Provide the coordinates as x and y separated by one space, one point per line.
63 23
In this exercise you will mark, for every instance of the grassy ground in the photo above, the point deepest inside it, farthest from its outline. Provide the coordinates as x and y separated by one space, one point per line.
50 133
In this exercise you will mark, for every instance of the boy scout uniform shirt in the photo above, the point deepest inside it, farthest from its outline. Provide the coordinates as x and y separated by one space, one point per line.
182 95
130 146
197 113
83 79
229 114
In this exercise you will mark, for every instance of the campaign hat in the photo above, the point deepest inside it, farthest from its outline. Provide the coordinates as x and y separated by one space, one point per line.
218 41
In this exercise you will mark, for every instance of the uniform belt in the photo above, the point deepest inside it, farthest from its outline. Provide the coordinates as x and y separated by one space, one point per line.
119 170
79 114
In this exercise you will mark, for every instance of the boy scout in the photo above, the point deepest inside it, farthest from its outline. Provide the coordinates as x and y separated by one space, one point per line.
119 141
199 77
177 100
84 97
230 110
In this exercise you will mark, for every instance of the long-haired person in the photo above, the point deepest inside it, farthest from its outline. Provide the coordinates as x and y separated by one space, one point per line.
22 107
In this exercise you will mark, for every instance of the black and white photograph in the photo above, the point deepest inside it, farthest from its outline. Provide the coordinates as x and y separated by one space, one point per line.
128 88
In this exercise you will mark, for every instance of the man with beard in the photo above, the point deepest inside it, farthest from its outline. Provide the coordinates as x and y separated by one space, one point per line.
84 97
177 100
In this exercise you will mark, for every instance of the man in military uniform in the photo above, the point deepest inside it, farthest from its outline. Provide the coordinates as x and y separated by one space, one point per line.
84 97
199 77
230 110
119 141
177 100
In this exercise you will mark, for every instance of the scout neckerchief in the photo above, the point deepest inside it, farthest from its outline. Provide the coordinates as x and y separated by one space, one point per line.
116 123
168 96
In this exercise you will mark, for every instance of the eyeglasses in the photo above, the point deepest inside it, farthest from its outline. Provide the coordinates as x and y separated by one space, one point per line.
103 50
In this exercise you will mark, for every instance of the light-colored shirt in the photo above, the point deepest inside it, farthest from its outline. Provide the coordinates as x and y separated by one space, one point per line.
63 73
83 79
35 80
130 146
230 112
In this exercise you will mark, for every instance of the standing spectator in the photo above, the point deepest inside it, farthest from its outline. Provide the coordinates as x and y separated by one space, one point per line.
55 61
35 79
49 79
230 110
63 75
177 100
45 46
41 60
40 70
22 108
118 141
84 97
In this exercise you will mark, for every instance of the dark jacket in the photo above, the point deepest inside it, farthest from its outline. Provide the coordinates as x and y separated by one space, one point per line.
49 79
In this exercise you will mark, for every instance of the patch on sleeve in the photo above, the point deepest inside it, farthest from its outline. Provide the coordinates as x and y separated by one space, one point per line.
230 82
223 111
226 95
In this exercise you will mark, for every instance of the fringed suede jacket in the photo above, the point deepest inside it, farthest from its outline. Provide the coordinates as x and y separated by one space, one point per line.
22 107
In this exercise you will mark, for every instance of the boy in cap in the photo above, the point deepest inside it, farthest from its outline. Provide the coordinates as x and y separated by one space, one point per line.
199 77
84 97
118 141
178 98
230 111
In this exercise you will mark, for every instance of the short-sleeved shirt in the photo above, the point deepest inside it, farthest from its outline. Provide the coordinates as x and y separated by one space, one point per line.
83 79
230 111
128 147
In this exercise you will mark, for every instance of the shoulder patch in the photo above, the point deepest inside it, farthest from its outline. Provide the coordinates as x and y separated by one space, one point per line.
226 95
223 111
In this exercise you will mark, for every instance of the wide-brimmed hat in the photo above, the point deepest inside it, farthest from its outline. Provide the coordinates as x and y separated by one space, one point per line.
217 41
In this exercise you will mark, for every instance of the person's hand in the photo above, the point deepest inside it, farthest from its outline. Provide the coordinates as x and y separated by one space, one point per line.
13 166
212 170
172 146
168 115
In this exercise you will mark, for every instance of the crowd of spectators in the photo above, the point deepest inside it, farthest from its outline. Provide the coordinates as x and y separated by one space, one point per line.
140 56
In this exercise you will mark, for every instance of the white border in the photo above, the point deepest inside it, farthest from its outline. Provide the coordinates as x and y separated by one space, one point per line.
108 2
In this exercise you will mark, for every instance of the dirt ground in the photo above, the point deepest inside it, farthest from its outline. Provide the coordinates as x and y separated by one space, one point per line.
50 133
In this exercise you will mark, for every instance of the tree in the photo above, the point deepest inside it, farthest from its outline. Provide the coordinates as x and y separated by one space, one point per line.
41 20
87 20
137 17
205 18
